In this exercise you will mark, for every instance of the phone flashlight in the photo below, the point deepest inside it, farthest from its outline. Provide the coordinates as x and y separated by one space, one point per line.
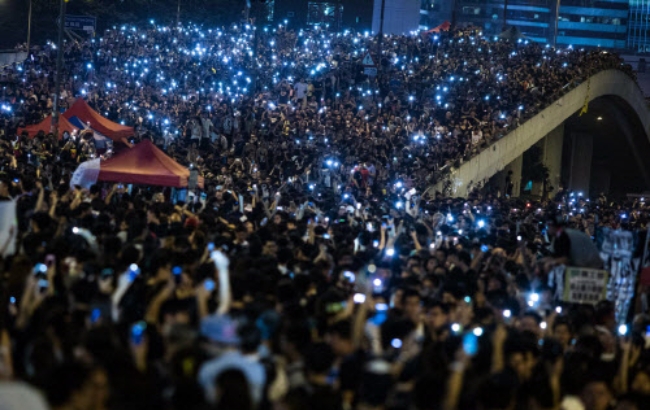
95 315
470 343
137 332
209 285
349 275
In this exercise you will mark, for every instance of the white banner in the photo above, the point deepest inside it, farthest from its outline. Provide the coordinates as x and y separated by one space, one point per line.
584 285
86 174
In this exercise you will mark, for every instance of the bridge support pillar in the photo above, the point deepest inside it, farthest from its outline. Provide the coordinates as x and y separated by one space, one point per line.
582 146
552 158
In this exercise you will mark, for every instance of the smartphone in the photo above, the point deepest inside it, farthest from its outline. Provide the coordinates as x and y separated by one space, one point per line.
369 227
134 271
209 285
359 298
95 315
137 332
484 248
470 344
43 284
349 275
210 246
40 268
381 314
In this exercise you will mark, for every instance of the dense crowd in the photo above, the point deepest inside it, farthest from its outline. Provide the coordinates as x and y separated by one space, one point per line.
315 271
438 99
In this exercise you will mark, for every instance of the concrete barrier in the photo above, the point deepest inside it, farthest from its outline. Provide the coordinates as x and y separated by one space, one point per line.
7 58
502 152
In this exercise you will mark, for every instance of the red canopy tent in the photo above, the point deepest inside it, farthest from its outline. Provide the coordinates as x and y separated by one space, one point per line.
145 164
442 27
114 131
45 126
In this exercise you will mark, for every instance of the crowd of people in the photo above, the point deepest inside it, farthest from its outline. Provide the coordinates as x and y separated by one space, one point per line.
315 270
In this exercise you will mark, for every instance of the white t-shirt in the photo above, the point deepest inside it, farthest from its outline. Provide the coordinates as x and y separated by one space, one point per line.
476 136
196 130
206 123
301 90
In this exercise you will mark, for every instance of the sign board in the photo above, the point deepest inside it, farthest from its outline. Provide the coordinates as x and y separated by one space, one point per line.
368 61
586 286
82 23
371 71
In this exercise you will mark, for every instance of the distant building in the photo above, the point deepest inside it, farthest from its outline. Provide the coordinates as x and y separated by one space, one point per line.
593 23
582 23
400 16
435 12
638 26
531 18
336 14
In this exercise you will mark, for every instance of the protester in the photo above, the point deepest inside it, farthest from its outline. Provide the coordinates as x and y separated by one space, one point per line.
316 269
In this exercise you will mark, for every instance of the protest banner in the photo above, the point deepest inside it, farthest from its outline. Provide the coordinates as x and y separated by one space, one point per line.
584 285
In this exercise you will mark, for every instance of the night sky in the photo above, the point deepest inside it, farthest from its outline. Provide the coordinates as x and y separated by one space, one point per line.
13 22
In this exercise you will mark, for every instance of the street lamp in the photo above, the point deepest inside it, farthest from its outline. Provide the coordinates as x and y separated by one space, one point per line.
59 68
29 27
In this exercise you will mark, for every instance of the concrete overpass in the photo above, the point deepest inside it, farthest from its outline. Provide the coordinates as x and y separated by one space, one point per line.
8 57
610 88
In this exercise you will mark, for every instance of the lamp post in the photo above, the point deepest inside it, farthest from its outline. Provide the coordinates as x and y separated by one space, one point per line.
29 27
258 5
380 39
557 19
59 68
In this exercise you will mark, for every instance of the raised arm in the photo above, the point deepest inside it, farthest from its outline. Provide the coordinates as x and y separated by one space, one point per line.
222 263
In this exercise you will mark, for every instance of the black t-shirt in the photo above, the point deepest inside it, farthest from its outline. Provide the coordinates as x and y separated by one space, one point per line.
562 246
351 370
316 397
